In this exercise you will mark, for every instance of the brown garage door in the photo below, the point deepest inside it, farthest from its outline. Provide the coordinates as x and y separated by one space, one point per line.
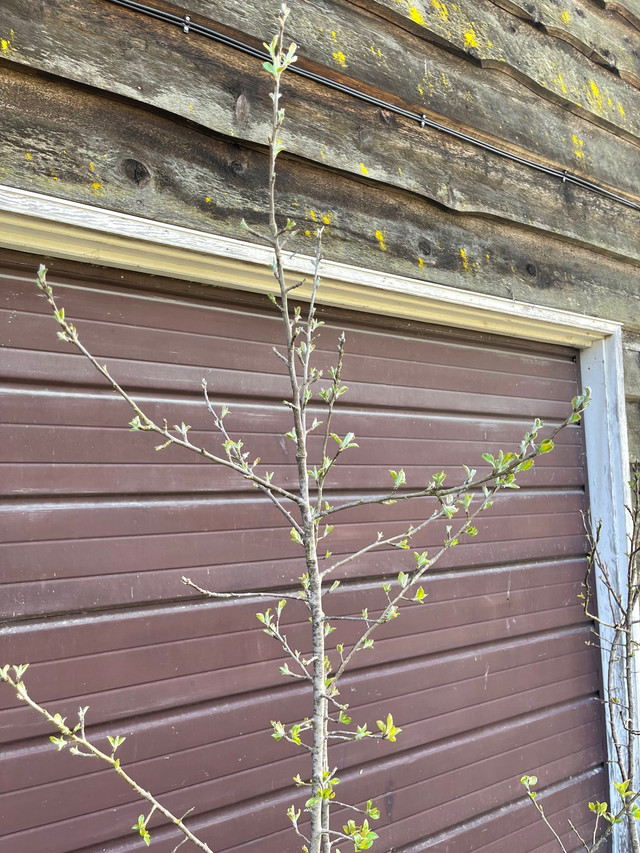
490 679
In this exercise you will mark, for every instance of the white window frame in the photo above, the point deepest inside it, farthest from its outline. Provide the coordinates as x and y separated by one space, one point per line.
50 226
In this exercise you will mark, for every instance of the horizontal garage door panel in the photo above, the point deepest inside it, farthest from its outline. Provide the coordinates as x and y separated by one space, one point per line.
491 678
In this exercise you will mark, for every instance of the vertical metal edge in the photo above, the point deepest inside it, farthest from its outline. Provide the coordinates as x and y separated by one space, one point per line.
607 452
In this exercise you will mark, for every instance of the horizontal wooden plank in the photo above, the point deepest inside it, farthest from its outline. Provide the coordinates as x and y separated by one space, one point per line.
537 59
629 10
386 58
469 253
337 131
604 39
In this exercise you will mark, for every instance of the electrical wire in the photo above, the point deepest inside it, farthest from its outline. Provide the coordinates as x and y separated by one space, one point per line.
188 26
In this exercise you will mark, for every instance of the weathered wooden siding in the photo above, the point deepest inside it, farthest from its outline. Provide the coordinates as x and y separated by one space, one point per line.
106 106
491 678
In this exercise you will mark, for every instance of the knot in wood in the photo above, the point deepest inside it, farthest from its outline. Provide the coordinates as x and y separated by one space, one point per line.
136 171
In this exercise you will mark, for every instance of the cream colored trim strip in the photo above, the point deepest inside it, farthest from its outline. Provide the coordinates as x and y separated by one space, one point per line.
50 226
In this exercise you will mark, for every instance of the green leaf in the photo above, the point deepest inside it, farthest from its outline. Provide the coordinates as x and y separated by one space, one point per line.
399 478
420 594
524 466
371 810
621 787
115 741
422 559
141 827
278 730
546 446
388 729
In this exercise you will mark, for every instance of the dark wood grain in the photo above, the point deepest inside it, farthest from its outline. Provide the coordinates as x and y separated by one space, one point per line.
205 183
344 134
548 65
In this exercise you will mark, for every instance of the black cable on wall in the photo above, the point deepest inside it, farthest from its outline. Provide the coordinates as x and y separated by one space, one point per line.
188 26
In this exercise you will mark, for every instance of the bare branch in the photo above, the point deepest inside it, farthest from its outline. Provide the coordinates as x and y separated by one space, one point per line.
71 737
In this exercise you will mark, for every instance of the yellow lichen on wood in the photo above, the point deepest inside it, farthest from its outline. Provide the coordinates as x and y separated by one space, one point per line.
441 9
28 156
338 55
364 169
470 38
380 237
469 266
566 17
415 15
465 261
325 218
5 44
421 263
594 97
578 149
